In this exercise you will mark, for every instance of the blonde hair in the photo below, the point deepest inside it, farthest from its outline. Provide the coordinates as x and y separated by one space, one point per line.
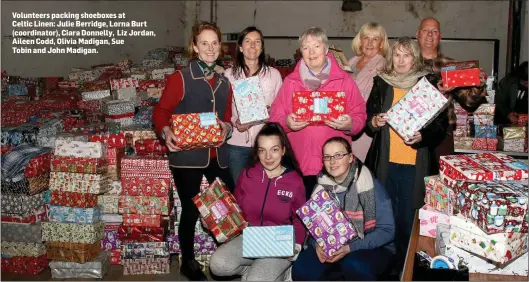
317 32
409 45
371 28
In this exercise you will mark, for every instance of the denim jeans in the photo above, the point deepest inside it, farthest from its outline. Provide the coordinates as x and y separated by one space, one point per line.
238 157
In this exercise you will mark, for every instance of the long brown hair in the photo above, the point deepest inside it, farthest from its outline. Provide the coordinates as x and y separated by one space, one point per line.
196 31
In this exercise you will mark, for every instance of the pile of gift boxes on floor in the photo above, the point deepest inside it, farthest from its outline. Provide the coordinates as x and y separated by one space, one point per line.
25 199
480 202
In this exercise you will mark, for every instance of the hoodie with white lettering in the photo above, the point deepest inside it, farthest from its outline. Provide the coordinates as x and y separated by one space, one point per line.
271 201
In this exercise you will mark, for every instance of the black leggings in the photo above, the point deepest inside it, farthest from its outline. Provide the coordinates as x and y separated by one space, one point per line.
187 182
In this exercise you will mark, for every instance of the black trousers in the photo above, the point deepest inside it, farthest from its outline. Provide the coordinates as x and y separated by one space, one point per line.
310 182
187 181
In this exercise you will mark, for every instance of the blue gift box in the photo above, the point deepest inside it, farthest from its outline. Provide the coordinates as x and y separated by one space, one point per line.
485 131
75 215
268 241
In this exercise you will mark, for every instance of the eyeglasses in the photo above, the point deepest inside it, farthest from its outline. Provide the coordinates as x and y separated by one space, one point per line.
335 157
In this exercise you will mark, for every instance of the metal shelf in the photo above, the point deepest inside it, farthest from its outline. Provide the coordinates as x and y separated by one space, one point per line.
516 154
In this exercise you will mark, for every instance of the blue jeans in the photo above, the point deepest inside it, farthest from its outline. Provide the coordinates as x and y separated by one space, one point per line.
359 265
238 157
400 185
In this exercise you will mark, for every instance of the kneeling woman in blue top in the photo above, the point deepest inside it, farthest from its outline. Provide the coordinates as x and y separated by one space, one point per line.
368 207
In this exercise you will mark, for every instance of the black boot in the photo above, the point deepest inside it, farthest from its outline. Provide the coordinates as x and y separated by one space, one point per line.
191 269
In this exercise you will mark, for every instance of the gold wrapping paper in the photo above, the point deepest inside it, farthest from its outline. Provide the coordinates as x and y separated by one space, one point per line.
463 143
73 252
514 132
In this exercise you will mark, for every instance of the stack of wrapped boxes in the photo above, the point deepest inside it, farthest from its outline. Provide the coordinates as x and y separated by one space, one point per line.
514 139
144 204
482 198
75 229
109 203
476 131
24 207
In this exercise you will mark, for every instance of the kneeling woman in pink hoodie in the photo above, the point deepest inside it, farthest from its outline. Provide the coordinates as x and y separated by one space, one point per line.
269 191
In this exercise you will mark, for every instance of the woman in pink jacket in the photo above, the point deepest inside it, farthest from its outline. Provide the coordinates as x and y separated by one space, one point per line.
317 71
370 46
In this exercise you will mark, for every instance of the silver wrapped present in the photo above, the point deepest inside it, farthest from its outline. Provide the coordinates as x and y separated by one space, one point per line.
95 269
118 107
22 232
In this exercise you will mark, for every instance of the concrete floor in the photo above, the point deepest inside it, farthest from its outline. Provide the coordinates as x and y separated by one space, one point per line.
115 273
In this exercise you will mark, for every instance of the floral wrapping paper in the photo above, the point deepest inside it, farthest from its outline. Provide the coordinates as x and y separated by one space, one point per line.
80 149
204 244
17 232
145 184
72 232
220 211
514 132
484 166
73 199
95 269
146 164
118 107
500 248
111 240
485 131
138 234
156 266
79 182
514 145
195 131
439 196
95 95
110 203
75 215
144 205
422 104
79 165
72 252
145 220
150 147
123 83
144 250
249 100
14 249
316 107
428 220
493 206
20 204
36 215
25 265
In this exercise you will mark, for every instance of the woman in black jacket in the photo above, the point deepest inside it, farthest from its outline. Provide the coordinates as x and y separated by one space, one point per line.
401 165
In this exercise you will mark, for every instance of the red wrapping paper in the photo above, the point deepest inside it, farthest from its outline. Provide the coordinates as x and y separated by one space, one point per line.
112 140
25 265
522 119
150 147
145 164
143 85
51 82
479 144
190 135
58 103
303 105
6 149
73 199
146 220
114 155
141 184
115 256
78 165
461 78
492 144
37 166
131 234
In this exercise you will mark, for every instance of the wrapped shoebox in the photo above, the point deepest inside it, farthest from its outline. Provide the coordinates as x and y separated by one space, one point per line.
75 215
94 86
326 222
482 119
111 239
24 265
439 195
115 188
79 165
37 166
115 143
204 244
429 218
145 220
268 241
144 85
139 234
14 249
95 269
485 131
115 256
128 94
21 232
124 119
145 184
484 166
461 74
500 248
123 83
38 214
80 149
514 132
160 73
25 186
513 145
146 164
109 203
118 107
73 252
112 218
195 131
249 100
220 211
79 182
316 107
137 133
73 199
20 204
72 232
420 106
151 266
150 147
95 95
81 75
480 144
98 128
492 144
462 131
144 250
144 205
494 206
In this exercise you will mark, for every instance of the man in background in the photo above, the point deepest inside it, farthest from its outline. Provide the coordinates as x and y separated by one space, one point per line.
511 96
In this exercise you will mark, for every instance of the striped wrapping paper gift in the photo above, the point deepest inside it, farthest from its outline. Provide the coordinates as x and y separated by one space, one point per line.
268 241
